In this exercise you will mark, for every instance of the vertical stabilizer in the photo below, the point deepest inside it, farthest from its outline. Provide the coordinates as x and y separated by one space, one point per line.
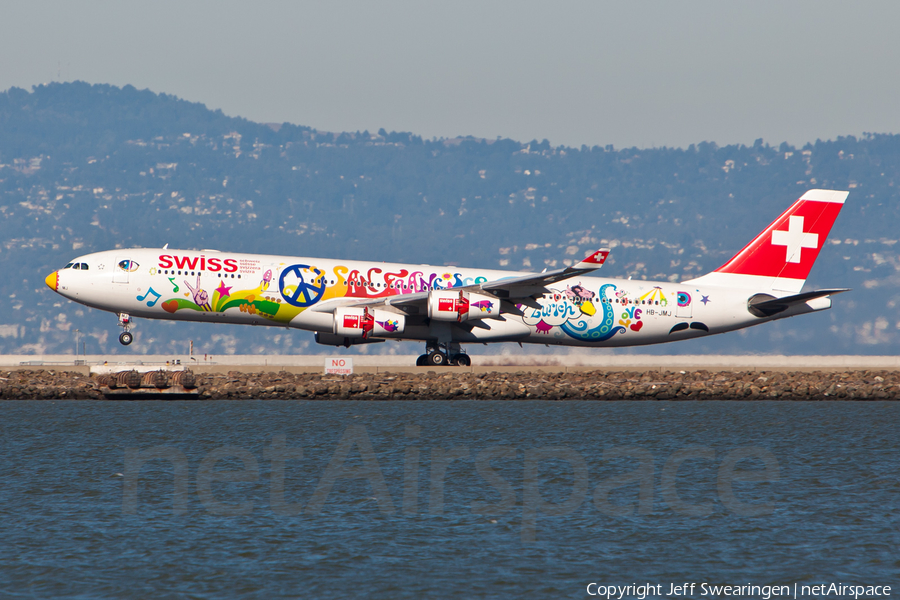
781 257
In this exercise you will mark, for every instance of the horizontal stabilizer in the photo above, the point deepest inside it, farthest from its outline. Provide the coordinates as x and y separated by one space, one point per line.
764 305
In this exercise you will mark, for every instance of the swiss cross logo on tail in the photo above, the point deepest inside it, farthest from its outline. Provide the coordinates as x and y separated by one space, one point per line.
795 239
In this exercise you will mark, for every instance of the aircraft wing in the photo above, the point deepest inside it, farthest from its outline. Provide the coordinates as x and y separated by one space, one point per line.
516 290
528 285
329 306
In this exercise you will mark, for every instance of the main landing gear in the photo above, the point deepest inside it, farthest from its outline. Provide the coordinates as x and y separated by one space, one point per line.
443 355
126 337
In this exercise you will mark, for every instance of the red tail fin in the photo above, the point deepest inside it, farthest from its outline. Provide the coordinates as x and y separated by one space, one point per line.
781 257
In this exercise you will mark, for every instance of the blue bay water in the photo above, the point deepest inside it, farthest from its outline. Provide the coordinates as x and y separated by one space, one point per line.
457 516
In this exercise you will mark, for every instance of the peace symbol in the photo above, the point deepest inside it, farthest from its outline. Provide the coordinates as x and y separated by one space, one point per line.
302 293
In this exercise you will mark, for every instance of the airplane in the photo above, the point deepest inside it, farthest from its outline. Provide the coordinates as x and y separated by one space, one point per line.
349 302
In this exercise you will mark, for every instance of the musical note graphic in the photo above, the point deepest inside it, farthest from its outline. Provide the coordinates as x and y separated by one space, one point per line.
149 302
175 287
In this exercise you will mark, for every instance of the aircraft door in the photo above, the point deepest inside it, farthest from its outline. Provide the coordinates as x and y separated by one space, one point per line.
683 305
121 269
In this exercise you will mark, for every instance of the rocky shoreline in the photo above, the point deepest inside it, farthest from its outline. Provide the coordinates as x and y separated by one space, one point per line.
448 385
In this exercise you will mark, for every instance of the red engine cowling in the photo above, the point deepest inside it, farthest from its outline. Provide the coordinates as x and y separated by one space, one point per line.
459 306
367 322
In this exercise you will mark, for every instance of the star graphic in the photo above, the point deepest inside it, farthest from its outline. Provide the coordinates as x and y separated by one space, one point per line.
224 292
704 300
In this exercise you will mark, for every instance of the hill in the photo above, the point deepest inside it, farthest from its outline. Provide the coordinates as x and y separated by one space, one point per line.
89 167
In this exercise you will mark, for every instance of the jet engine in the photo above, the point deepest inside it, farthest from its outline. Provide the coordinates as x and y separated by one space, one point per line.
459 306
365 322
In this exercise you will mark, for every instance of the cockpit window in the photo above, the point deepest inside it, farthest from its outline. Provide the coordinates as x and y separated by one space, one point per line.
84 267
76 266
68 266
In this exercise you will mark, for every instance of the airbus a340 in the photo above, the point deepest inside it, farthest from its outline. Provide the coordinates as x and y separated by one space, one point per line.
356 302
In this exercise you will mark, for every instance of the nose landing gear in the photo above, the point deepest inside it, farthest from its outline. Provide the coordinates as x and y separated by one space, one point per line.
441 355
125 337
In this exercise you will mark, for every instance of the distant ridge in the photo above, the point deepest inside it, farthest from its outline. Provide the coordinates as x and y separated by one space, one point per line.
86 167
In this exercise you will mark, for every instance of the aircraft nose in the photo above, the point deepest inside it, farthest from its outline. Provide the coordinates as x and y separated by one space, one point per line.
52 280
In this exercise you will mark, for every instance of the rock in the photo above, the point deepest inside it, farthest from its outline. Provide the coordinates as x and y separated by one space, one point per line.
621 385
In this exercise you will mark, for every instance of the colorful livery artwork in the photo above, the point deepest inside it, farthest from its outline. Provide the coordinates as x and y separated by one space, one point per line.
352 302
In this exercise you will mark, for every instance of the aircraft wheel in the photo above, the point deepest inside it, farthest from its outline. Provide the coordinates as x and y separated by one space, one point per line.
125 338
462 360
437 359
422 361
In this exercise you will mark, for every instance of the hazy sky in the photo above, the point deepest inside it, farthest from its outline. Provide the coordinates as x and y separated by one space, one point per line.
581 72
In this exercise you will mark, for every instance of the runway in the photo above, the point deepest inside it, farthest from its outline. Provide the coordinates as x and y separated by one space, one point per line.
560 363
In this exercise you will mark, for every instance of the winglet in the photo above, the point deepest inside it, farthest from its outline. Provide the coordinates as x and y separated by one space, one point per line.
594 260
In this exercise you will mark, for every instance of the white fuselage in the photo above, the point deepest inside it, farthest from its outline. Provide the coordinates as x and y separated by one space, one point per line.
282 291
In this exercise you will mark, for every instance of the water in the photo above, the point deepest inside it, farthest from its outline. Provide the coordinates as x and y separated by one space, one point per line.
77 521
